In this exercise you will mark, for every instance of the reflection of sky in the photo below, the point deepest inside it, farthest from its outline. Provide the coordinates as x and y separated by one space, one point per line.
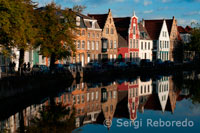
184 110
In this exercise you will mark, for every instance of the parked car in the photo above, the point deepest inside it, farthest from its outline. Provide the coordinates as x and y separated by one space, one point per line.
132 64
158 63
93 65
146 63
108 65
40 69
168 63
120 65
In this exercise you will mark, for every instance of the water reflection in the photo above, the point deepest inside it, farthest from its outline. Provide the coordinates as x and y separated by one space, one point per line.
96 102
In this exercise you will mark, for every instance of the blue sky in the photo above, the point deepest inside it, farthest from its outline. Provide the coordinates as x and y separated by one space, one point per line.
185 11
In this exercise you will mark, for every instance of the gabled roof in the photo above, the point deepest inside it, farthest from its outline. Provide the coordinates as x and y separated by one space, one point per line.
144 35
83 16
181 29
188 29
122 26
153 27
101 18
169 23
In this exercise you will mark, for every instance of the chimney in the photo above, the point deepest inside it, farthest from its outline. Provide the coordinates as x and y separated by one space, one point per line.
173 17
109 10
143 23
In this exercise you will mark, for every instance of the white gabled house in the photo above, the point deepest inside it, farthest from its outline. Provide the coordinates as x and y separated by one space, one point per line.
158 32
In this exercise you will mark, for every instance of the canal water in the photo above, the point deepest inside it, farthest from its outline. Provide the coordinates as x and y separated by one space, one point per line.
156 103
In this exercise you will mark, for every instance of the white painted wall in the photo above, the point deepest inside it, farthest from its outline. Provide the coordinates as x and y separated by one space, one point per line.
145 87
162 88
142 49
161 46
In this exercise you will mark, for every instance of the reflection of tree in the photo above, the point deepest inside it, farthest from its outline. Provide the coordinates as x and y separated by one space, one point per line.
53 119
193 85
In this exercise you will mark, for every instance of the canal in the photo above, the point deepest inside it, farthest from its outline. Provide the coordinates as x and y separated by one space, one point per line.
154 103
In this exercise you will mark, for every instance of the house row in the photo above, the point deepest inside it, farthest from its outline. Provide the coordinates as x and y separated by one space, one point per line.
101 38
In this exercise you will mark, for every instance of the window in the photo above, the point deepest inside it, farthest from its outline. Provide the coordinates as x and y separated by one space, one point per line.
163 34
137 44
97 35
97 45
112 31
78 21
83 44
88 97
110 58
83 33
92 96
88 35
93 35
133 43
111 44
88 45
93 43
133 30
107 30
141 45
115 44
145 45
167 44
79 44
97 95
160 44
149 45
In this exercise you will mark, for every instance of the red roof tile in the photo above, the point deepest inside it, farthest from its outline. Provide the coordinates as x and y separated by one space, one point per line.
181 29
188 29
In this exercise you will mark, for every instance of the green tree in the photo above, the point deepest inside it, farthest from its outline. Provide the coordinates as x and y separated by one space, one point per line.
55 38
17 25
78 8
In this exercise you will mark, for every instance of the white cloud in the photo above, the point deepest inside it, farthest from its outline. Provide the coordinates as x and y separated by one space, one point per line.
185 22
146 2
148 11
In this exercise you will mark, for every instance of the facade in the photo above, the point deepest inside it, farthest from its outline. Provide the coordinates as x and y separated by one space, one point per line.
174 37
146 44
122 26
158 32
93 40
133 39
109 38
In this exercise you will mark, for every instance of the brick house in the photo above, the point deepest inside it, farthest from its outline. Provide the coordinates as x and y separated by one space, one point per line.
109 36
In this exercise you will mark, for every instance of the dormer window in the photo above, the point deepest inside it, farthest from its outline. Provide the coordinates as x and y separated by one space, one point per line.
112 31
78 20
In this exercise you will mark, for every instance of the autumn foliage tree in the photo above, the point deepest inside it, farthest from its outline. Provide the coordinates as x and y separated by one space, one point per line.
55 37
17 26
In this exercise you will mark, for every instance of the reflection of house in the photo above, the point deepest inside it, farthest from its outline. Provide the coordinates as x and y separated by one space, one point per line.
109 35
20 119
109 100
133 99
162 88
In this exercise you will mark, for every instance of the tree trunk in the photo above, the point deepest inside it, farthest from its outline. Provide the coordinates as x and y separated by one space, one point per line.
52 61
21 58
